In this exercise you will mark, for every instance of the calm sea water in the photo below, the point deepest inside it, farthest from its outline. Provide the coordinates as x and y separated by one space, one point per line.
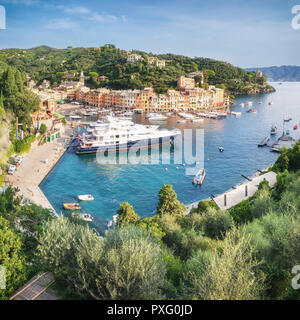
139 184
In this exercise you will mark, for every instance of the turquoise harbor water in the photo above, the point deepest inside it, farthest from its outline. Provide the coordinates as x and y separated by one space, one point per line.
139 184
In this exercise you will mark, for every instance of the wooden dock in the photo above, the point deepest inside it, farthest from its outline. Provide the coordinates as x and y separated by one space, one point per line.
264 142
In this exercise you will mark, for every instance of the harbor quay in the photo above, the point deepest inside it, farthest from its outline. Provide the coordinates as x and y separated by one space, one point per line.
37 164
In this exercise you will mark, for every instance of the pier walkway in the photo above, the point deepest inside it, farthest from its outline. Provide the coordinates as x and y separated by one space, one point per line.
244 191
239 193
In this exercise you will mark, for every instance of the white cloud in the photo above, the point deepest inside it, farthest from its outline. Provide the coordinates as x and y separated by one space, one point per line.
102 18
75 10
86 13
61 24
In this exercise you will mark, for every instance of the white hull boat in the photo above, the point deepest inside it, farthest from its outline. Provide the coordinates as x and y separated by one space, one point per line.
87 197
83 216
197 120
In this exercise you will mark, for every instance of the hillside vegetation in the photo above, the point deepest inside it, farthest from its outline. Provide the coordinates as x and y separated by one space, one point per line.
59 64
16 101
245 253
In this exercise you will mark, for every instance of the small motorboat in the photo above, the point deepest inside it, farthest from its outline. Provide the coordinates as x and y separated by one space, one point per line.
251 111
273 130
199 177
112 222
75 117
237 114
242 105
295 127
287 118
87 197
181 121
271 103
83 216
221 149
71 206
109 224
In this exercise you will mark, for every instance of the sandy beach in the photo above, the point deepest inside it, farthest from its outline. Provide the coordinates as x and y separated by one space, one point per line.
36 166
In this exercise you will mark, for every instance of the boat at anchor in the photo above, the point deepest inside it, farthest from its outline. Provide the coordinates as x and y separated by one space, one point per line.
71 206
273 130
199 177
87 197
83 216
115 134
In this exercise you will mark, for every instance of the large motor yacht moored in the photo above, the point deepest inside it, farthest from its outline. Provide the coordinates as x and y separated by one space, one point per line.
115 134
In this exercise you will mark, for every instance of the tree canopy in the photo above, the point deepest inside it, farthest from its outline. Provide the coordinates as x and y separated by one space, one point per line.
56 64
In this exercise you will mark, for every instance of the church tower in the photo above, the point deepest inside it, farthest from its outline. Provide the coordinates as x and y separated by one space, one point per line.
81 80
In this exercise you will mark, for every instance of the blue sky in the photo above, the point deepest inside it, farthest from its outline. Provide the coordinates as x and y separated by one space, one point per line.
246 33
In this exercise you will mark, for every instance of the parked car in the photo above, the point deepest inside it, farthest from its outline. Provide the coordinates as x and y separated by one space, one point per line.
12 161
12 169
19 160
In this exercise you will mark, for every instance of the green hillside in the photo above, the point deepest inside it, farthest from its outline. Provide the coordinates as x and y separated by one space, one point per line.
58 64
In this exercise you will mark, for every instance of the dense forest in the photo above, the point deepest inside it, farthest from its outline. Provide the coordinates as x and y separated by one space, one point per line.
15 97
57 65
247 252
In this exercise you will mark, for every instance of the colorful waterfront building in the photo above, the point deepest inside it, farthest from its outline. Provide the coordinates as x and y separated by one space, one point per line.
185 83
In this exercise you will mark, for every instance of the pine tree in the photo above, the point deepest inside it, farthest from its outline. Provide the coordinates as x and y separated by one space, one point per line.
2 110
126 215
168 203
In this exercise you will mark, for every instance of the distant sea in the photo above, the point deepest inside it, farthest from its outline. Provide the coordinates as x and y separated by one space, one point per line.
139 184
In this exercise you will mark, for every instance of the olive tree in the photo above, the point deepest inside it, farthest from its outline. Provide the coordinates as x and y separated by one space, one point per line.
131 266
227 273
126 264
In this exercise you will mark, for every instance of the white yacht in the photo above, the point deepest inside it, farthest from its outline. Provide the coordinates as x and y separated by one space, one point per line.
156 117
185 115
115 134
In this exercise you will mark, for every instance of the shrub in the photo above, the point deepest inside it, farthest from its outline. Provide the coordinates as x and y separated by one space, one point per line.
43 129
11 259
205 205
127 264
216 223
226 275
241 213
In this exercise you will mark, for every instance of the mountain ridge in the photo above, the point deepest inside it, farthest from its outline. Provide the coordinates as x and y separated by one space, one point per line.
279 73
